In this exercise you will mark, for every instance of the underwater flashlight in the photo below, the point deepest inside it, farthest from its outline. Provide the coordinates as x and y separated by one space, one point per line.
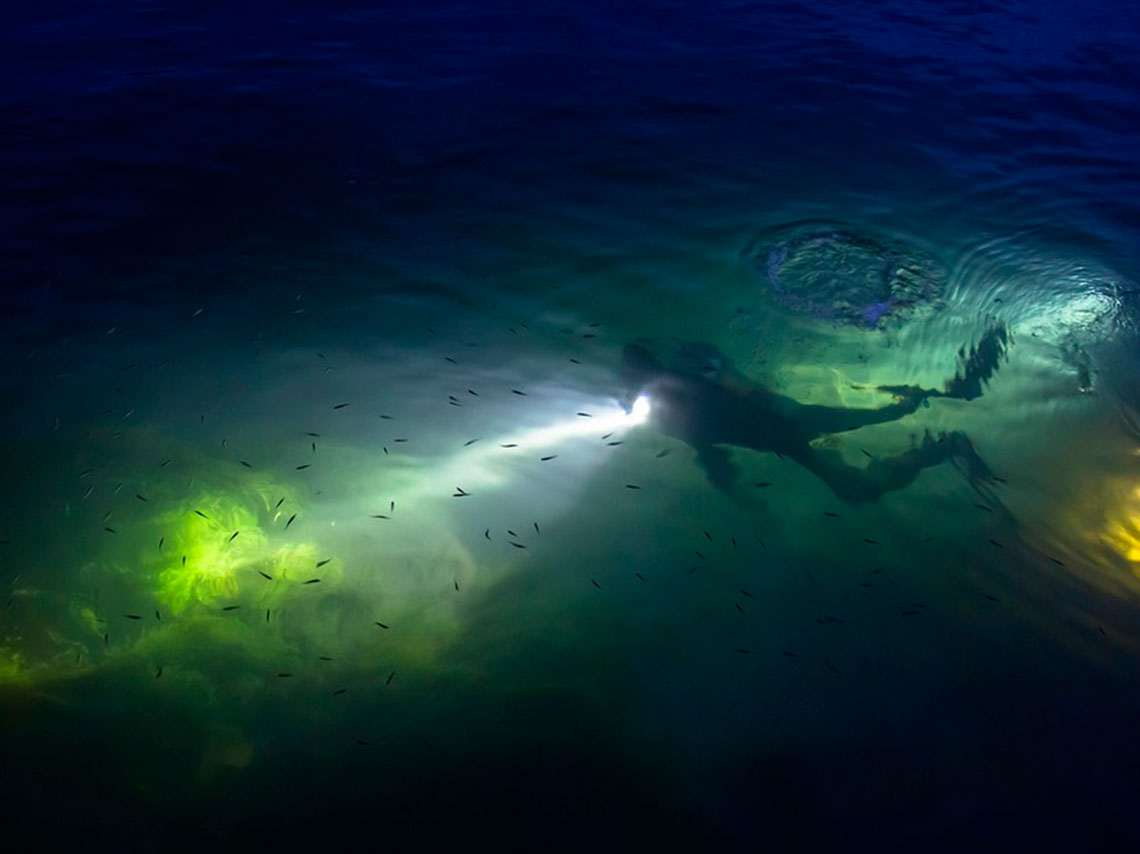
639 412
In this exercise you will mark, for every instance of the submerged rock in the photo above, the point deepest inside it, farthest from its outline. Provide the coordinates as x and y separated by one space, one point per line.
846 275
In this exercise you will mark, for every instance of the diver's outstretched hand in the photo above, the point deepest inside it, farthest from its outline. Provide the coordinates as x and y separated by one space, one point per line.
915 394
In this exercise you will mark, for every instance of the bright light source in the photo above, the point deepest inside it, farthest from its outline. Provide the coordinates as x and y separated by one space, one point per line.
639 413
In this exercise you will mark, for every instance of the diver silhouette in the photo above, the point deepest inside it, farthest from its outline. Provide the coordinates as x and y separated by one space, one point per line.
703 400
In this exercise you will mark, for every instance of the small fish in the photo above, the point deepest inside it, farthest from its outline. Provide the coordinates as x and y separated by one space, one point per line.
381 625
469 391
158 616
244 463
708 536
470 442
910 613
595 583
231 607
518 545
741 610
509 445
305 466
161 540
391 676
550 457
632 486
200 513
158 673
341 405
872 542
830 514
339 691
456 583
789 654
265 575
607 435
140 498
487 533
994 542
743 651
746 593
519 393
363 743
108 530
984 507
106 640
575 361
460 493
1101 630
267 615
761 542
831 667
284 675
321 563
290 522
585 415
313 581
380 516
1059 563
324 658
640 577
536 528
399 440
232 536
663 453
988 596
280 501
867 453
698 554
391 506
611 444
132 616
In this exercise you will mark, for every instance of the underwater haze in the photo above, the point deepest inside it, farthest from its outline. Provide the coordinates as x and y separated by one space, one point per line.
563 425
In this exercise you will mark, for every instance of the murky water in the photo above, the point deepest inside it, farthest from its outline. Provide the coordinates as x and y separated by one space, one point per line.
323 516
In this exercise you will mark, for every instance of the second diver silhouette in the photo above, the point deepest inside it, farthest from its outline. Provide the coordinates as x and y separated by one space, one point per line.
703 400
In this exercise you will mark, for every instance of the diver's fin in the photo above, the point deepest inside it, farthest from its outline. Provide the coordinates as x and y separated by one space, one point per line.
980 364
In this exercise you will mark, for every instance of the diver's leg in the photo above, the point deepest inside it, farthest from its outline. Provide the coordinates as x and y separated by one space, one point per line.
822 420
856 485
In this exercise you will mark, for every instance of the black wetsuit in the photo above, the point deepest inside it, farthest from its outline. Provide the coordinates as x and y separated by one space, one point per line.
705 402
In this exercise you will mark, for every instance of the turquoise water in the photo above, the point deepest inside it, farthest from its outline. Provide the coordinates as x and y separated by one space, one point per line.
288 557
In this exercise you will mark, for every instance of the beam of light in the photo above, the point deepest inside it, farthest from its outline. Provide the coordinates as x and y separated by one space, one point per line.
485 464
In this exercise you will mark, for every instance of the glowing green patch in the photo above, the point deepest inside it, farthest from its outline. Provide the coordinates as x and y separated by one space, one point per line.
210 540
11 666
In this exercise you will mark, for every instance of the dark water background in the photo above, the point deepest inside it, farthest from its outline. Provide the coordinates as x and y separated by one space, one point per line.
220 221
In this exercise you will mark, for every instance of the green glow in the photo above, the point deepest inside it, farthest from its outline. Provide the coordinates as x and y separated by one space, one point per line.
11 666
203 563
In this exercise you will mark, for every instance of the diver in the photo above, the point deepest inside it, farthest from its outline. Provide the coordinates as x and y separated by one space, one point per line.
704 401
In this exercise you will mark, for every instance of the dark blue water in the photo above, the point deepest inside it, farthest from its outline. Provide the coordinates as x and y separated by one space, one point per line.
312 292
